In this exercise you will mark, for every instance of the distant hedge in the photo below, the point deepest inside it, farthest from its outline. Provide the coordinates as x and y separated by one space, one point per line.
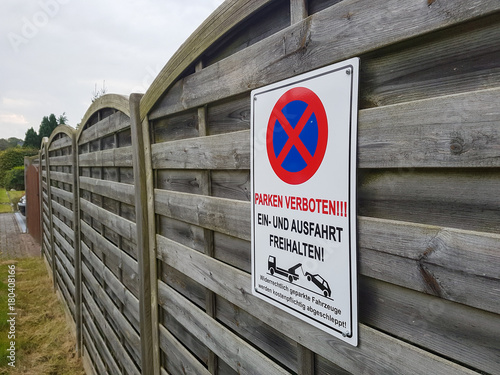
14 179
11 158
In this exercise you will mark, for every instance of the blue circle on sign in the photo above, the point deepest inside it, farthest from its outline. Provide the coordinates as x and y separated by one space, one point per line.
297 135
293 111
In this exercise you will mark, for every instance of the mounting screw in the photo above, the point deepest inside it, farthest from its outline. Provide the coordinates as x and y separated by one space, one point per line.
348 72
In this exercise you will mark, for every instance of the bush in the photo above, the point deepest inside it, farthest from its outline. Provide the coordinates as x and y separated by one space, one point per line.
14 179
13 157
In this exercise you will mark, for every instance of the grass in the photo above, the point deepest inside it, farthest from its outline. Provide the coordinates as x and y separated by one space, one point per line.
44 344
7 198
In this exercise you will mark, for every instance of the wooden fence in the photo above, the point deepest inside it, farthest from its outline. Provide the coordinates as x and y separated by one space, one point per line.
146 206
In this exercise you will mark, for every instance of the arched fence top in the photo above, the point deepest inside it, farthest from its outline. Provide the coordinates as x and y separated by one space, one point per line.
227 16
56 134
113 101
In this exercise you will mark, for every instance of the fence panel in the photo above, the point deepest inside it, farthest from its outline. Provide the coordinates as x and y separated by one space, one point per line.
428 213
110 293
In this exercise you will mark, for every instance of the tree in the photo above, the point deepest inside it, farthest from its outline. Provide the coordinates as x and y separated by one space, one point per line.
32 139
47 125
14 179
62 119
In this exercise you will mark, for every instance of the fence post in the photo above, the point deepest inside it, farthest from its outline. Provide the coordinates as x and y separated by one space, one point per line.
76 247
146 260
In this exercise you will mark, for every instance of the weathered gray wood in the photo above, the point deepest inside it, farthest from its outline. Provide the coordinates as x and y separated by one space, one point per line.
228 116
60 176
176 353
123 227
453 330
114 314
461 199
231 184
227 151
95 336
298 10
64 269
116 157
454 264
275 344
109 125
234 351
460 58
119 262
62 194
218 214
62 290
305 360
114 190
91 355
186 181
128 300
149 357
61 160
64 141
376 352
68 231
329 36
450 131
61 210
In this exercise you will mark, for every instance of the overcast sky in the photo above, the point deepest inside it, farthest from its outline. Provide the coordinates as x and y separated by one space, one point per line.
53 53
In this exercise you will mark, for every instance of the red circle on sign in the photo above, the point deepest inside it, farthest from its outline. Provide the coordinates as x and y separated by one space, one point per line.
297 135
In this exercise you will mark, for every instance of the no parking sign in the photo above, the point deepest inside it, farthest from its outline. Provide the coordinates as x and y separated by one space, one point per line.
303 170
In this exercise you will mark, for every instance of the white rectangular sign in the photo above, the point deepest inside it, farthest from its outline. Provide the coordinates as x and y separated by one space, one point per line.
303 171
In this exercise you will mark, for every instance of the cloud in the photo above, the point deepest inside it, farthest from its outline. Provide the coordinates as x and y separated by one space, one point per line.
65 47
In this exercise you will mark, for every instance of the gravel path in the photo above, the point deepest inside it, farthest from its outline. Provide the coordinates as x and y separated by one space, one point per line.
14 244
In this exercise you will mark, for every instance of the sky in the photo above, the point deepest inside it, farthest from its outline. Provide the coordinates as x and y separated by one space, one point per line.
54 54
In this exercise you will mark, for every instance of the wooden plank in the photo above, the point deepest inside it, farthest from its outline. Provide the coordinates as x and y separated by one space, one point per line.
95 335
128 300
91 354
450 131
454 331
123 266
62 160
275 344
461 199
65 248
68 231
233 350
123 227
218 214
177 354
298 10
376 352
324 38
60 176
450 263
228 116
113 313
67 302
226 151
461 58
109 125
114 190
64 268
61 210
63 194
64 141
116 157
231 184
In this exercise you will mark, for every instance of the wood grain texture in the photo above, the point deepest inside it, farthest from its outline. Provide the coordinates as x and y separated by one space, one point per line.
228 151
234 351
344 30
218 214
118 102
377 352
116 157
114 190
